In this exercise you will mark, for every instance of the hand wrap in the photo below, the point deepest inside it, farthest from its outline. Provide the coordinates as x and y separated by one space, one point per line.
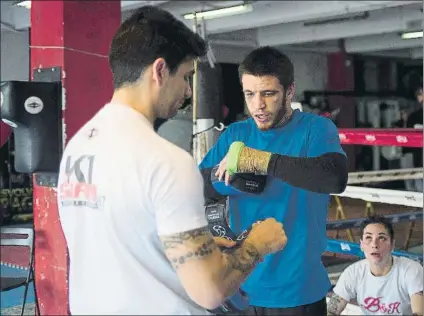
243 159
216 215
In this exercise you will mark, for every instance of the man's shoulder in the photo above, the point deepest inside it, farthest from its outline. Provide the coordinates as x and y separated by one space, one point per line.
314 119
168 158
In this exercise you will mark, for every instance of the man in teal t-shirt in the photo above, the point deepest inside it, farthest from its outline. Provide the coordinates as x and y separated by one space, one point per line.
302 157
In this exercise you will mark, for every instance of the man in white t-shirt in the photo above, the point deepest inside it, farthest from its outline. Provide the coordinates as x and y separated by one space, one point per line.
131 203
381 284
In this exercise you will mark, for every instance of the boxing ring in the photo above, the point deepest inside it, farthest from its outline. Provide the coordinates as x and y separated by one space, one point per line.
410 202
350 249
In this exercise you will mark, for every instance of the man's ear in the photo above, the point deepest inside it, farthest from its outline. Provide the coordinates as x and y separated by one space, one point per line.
290 91
160 71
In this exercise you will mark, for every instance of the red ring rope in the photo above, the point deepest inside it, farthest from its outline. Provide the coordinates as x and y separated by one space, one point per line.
404 137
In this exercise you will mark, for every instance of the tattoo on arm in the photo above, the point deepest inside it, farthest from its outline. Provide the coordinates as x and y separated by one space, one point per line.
336 305
198 244
200 238
240 263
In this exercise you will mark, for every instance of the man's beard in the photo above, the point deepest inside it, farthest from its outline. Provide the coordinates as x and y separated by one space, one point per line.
281 117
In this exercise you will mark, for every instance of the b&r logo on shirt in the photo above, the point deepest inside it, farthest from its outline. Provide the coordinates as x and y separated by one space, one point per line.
374 305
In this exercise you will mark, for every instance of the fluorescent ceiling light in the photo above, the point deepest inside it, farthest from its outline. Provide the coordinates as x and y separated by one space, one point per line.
25 4
412 35
219 13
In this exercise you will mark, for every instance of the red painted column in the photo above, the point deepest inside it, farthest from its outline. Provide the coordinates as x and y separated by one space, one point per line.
341 78
73 35
5 132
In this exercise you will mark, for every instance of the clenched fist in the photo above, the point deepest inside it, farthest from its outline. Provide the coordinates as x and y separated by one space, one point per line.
267 236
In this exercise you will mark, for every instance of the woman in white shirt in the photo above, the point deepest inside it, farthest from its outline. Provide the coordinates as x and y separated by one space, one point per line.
381 283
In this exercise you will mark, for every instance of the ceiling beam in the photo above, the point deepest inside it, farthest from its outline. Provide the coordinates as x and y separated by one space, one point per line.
380 42
390 21
266 13
416 53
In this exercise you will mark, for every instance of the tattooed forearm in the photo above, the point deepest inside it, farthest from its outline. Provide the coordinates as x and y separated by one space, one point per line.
336 305
239 264
197 244
227 269
205 249
243 259
191 236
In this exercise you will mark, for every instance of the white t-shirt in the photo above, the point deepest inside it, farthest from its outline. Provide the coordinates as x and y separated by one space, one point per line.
383 295
122 186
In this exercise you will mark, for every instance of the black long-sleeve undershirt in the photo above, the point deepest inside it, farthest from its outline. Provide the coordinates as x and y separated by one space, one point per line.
323 174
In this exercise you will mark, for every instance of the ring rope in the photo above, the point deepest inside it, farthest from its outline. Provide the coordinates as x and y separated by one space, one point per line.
385 175
405 198
405 137
392 218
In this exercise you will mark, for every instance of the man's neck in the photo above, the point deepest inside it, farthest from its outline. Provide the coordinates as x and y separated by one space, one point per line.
131 100
286 117
383 269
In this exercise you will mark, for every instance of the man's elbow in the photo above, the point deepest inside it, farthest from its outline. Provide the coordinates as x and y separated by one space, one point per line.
339 176
208 297
339 183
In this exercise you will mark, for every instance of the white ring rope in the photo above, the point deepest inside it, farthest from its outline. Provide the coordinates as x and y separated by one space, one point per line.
406 198
385 175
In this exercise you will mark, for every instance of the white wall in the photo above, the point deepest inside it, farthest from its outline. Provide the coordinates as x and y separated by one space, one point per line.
310 71
14 55
230 54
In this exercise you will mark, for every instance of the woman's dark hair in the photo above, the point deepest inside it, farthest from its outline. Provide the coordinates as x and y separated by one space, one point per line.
375 219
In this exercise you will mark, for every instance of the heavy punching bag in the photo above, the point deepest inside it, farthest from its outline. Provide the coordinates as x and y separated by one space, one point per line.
30 108
34 111
208 101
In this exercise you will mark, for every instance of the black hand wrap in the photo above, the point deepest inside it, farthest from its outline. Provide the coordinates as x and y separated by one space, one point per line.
216 217
216 193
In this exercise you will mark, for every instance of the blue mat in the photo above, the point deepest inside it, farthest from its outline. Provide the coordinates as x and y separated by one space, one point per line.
15 297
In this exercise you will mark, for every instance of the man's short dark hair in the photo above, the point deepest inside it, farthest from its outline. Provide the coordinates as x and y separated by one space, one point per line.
148 34
268 61
376 219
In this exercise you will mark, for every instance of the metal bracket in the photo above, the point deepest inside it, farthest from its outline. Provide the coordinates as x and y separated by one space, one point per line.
51 74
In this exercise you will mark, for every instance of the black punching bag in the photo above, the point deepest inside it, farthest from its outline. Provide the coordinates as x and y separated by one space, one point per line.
34 111
209 92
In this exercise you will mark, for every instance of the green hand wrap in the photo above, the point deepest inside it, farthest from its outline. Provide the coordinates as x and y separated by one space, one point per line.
233 157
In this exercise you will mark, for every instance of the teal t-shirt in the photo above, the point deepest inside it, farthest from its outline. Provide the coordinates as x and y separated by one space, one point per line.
294 276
